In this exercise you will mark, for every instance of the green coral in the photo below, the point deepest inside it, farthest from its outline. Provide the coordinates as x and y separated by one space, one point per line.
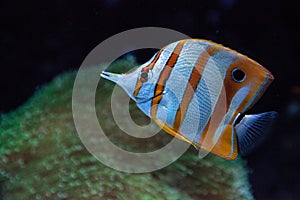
42 157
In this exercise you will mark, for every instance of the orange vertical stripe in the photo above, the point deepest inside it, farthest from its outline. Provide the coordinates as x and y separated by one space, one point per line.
217 116
139 83
164 75
190 89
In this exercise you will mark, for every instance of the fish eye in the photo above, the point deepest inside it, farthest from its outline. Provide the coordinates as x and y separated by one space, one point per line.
145 75
238 75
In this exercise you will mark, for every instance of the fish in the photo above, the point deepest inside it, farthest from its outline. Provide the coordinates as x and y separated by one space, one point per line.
199 92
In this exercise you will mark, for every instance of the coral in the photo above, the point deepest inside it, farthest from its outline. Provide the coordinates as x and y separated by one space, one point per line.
42 157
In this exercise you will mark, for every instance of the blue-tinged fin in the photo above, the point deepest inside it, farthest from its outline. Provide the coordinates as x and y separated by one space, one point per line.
253 129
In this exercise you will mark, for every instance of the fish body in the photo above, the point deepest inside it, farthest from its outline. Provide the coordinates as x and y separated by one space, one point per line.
198 91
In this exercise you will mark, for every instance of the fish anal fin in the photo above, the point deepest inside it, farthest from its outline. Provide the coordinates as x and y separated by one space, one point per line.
226 145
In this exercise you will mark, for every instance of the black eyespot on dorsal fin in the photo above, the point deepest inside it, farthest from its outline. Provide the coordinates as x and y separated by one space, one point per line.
238 75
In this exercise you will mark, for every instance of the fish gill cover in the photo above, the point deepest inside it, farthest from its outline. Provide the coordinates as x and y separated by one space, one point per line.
42 157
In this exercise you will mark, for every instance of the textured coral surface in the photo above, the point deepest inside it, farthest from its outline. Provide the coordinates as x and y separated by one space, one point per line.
42 157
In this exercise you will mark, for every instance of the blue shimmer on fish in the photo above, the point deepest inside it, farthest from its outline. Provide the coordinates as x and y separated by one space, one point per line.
198 91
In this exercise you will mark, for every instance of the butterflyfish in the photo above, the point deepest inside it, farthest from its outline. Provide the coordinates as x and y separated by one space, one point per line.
199 91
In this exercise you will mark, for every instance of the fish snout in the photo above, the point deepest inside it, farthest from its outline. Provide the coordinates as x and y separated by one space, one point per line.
111 76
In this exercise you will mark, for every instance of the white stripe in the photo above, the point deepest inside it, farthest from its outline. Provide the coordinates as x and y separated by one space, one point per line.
147 90
207 94
179 78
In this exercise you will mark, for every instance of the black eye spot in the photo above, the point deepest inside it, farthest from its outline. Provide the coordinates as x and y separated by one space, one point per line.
238 75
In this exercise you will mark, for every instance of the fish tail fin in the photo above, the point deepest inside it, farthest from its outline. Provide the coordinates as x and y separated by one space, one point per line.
253 129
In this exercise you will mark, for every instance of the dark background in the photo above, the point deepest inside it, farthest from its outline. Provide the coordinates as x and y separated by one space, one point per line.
40 39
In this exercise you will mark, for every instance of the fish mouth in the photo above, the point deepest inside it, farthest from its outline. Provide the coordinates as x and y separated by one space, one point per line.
119 79
111 76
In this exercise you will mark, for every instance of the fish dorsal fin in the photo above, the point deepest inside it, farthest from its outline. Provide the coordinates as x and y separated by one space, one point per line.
252 130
